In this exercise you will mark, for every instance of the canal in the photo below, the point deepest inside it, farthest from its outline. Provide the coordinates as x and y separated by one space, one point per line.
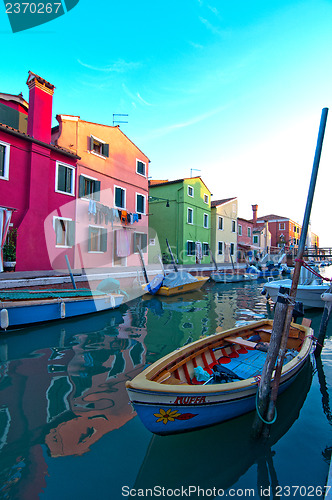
67 429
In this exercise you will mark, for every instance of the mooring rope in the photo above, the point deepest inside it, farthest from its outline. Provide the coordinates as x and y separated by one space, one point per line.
306 266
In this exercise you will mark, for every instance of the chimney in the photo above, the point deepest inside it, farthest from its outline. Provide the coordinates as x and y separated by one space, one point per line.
254 213
40 108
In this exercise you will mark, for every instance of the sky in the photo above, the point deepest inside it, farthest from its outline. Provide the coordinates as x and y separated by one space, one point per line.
232 91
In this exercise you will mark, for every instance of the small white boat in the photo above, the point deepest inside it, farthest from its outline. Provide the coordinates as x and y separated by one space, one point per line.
308 294
223 277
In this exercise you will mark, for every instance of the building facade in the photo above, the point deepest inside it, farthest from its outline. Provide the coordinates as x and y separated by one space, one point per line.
224 230
180 211
244 240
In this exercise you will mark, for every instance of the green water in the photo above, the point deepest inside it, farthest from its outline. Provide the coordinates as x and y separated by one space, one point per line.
68 432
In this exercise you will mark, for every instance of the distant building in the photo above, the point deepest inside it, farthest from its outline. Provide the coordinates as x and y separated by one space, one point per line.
180 211
224 229
244 239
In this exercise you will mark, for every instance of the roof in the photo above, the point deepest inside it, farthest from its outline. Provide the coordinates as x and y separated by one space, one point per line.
22 135
15 98
33 76
216 203
162 183
245 220
271 217
70 117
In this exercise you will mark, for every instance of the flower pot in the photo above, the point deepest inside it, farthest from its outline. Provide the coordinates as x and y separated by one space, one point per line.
9 266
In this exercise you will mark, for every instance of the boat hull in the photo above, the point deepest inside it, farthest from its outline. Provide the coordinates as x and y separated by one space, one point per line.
165 408
309 295
23 313
188 287
232 278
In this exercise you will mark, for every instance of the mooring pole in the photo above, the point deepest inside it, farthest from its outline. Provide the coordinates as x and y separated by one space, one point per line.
142 263
295 281
212 258
172 256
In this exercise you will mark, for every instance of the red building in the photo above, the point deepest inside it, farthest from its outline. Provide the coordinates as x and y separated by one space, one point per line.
33 172
244 239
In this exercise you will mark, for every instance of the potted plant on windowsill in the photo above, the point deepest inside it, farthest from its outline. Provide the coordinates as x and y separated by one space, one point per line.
9 252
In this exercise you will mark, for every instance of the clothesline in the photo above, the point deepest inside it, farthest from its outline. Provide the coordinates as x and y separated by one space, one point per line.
103 213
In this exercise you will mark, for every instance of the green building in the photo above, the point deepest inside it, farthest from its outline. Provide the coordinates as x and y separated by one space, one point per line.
180 211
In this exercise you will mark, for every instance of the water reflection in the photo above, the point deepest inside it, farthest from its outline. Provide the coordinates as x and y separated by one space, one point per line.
62 388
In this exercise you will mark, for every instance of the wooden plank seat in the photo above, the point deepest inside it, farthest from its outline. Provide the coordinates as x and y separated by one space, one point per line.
241 341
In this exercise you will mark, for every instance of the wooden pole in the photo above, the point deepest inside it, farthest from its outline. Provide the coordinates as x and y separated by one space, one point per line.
143 265
172 256
212 258
295 281
70 273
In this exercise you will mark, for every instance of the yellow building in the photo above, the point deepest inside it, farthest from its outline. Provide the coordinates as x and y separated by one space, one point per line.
224 230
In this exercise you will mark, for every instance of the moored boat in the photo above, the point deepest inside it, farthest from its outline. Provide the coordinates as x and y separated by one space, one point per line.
213 379
22 308
174 283
309 294
224 277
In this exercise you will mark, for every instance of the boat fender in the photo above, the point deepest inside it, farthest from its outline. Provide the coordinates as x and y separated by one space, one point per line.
327 297
112 301
63 310
4 319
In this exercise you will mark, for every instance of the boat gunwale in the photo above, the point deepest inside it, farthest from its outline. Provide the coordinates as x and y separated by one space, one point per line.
143 382
8 304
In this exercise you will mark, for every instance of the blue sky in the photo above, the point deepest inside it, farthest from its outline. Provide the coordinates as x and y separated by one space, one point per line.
232 89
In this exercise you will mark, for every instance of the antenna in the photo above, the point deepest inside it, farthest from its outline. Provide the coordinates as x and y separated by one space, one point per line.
191 171
117 121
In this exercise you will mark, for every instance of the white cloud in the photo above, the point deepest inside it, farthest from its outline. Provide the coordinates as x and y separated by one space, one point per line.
119 66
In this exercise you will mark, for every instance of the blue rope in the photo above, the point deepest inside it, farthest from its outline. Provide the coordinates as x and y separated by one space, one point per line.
260 416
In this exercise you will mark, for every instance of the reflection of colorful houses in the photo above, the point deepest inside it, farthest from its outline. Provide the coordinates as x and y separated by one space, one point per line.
180 211
224 230
28 167
111 192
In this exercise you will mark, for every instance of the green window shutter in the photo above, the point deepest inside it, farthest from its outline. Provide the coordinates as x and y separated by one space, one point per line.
71 233
103 240
96 194
81 186
105 150
91 143
89 239
61 186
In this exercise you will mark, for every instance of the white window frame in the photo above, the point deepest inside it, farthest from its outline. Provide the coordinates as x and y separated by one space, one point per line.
191 254
282 226
145 249
233 226
5 177
144 163
188 188
91 179
72 188
125 197
255 239
206 198
232 249
222 223
239 228
143 195
67 219
207 247
207 219
96 227
222 248
249 232
192 216
92 151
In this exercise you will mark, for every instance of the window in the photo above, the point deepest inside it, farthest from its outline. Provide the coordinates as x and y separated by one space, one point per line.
205 249
190 216
97 239
64 232
232 248
119 197
249 232
140 203
240 230
99 147
206 221
89 188
190 248
190 191
233 226
282 226
255 239
220 247
206 199
65 179
140 241
4 160
221 223
140 167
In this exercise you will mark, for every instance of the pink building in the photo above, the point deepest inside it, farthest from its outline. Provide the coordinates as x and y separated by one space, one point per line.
28 170
111 192
244 239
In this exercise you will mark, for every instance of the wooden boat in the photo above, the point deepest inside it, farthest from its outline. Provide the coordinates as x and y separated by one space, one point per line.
169 398
223 277
21 308
309 294
169 291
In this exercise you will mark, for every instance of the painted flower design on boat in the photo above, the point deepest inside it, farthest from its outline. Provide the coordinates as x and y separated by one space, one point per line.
171 415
